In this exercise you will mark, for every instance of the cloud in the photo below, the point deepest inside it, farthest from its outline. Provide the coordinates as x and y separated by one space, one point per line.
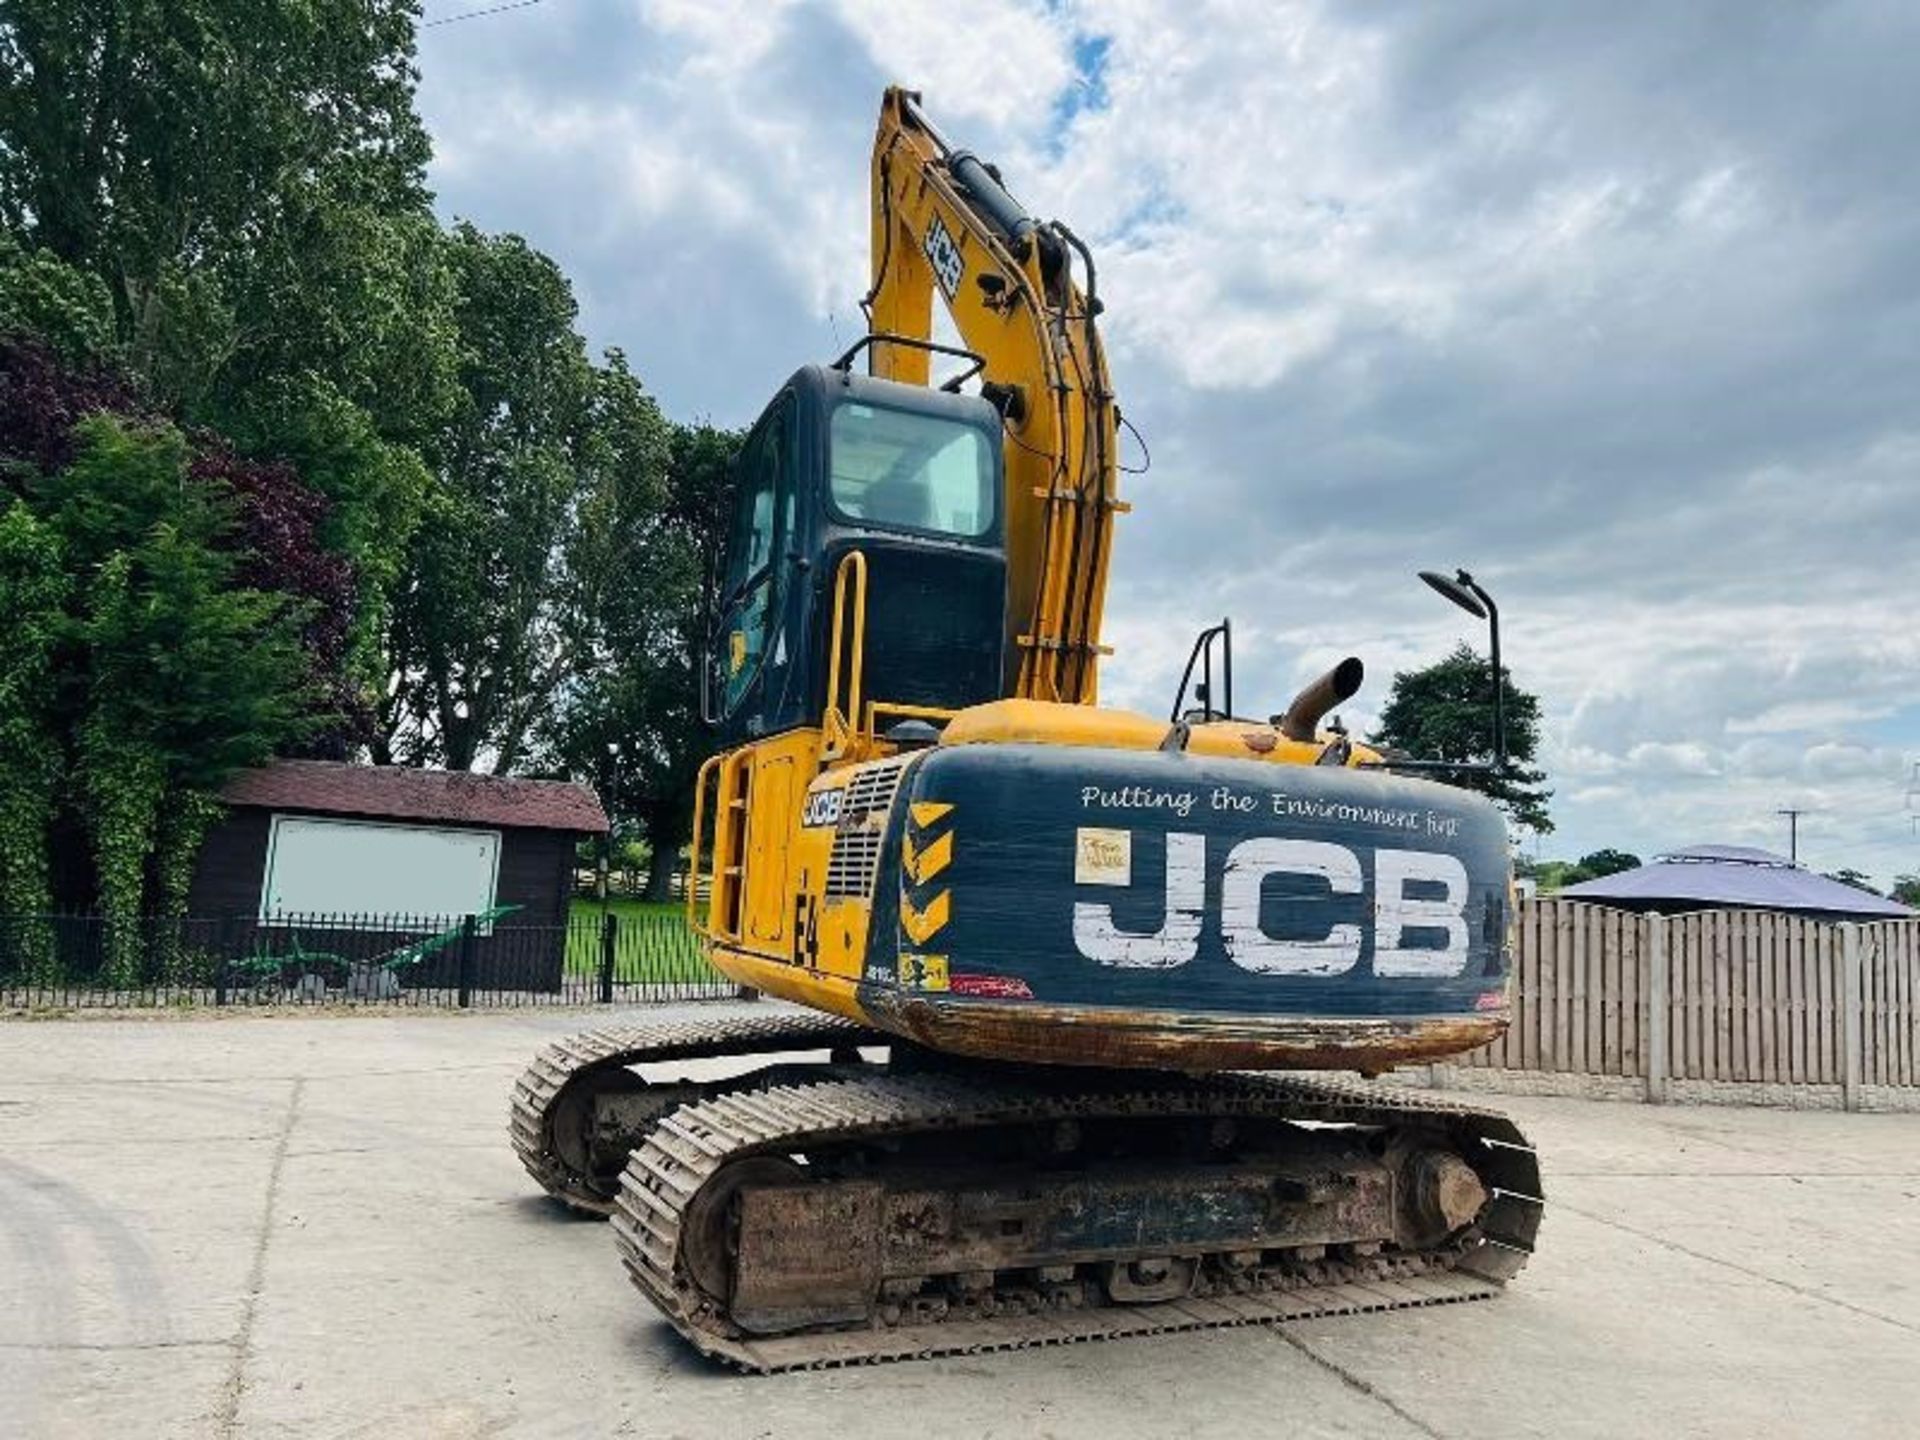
1617 307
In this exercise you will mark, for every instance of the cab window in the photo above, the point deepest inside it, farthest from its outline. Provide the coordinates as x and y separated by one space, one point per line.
907 471
749 593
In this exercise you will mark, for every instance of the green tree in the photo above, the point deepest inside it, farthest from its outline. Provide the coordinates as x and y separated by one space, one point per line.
229 195
1596 863
160 146
182 676
475 649
701 486
33 593
1445 712
630 722
1906 889
68 309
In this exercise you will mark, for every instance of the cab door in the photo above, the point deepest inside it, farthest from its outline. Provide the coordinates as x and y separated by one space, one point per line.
753 657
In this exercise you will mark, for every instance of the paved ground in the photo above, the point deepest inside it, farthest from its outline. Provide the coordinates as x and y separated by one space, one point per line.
314 1227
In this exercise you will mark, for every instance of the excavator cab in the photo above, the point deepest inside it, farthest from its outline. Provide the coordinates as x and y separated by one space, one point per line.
911 478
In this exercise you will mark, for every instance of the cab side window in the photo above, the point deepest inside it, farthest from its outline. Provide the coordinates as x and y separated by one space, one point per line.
749 592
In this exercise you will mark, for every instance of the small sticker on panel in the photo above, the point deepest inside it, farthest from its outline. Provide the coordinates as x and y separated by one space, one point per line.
1103 857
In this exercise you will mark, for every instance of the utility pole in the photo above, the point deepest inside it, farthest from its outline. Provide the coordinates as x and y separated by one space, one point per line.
1793 832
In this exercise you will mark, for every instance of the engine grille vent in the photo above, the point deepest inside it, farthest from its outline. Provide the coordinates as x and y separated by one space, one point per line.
863 818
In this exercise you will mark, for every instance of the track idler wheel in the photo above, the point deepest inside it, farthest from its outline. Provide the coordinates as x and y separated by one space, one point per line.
1441 1195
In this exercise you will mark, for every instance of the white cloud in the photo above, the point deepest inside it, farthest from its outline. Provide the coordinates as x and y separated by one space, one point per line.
1615 306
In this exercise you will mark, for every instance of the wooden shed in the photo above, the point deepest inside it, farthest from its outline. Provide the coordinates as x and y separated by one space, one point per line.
323 856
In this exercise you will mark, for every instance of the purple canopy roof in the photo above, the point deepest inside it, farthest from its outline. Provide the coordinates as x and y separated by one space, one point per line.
1735 875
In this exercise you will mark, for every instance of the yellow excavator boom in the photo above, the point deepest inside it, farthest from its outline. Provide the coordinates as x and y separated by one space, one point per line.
944 224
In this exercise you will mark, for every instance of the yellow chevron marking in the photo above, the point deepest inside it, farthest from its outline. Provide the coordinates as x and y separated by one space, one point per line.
926 812
923 925
925 863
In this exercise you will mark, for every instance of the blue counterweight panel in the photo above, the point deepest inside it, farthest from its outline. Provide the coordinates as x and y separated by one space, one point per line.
1174 882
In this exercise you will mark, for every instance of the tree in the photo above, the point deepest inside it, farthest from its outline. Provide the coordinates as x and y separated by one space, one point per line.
65 309
475 649
1445 712
229 197
1552 875
1596 863
630 720
700 486
33 595
162 146
1906 889
182 675
1854 878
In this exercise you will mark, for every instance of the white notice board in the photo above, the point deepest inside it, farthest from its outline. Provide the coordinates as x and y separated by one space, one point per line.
361 867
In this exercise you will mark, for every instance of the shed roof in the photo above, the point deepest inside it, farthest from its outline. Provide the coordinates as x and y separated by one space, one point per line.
399 792
1735 875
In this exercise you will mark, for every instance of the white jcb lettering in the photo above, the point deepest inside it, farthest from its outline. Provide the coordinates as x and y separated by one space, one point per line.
1394 913
1176 941
1247 942
1248 945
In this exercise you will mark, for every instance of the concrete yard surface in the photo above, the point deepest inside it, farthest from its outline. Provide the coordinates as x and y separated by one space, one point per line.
314 1226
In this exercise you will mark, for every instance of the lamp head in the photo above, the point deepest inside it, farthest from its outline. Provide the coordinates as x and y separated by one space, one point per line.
1456 591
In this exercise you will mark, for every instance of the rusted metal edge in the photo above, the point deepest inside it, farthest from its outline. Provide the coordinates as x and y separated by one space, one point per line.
1045 1034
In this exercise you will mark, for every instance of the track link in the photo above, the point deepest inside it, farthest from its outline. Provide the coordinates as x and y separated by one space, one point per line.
567 1067
690 1145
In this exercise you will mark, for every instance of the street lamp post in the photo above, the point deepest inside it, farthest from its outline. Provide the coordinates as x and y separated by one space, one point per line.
1466 592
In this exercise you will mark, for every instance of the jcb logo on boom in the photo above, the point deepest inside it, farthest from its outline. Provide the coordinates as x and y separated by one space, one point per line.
944 256
1105 859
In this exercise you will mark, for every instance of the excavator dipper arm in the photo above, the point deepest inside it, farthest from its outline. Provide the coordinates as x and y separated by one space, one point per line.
944 224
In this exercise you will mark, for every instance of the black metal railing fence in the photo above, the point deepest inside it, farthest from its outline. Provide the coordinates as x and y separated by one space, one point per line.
496 958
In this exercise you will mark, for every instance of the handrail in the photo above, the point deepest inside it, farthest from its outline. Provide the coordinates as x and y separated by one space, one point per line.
693 855
840 726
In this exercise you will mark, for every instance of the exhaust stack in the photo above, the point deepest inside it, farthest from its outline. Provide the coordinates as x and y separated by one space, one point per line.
1342 682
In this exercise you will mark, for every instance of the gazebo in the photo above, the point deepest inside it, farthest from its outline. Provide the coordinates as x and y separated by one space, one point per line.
1734 877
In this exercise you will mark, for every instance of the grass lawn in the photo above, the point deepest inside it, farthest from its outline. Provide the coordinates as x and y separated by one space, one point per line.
652 941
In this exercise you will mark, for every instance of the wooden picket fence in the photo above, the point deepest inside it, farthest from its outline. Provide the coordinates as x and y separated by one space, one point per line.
1726 995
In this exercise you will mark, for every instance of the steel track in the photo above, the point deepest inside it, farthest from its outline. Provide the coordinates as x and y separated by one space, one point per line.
561 1070
690 1145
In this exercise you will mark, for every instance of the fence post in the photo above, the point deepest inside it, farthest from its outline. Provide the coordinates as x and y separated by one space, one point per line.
1659 992
466 962
223 939
1852 1016
609 942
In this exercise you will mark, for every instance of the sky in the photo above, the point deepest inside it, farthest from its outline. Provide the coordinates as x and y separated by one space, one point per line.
1617 307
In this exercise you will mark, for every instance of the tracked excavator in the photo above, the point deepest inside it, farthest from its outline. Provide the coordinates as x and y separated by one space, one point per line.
1047 956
